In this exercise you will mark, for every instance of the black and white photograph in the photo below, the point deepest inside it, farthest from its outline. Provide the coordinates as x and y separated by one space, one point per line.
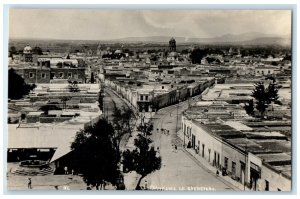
194 100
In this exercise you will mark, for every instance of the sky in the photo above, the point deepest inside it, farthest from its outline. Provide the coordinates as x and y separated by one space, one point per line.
88 24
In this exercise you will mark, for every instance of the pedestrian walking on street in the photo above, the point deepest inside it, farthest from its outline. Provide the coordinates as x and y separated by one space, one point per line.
104 184
172 148
175 149
66 170
146 185
29 183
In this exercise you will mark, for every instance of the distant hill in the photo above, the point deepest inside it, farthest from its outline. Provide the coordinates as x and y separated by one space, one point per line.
250 38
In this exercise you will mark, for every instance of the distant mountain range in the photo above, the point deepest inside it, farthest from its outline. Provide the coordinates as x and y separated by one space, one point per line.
250 38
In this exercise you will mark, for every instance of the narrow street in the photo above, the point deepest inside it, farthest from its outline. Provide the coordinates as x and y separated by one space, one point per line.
110 101
179 171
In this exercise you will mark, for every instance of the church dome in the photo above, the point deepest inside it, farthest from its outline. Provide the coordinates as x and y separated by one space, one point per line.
27 49
118 52
173 54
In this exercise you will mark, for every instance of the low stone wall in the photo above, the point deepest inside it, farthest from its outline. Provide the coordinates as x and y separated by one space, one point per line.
54 119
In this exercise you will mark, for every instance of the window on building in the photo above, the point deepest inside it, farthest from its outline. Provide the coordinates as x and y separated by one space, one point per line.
226 163
69 75
43 75
215 159
146 97
233 168
258 71
31 75
269 71
52 75
203 146
267 186
142 97
61 75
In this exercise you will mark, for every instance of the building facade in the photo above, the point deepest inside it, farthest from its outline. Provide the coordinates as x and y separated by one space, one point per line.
172 45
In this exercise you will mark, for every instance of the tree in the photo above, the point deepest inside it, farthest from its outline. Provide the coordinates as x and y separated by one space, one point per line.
95 156
260 95
145 128
249 107
197 55
264 96
37 50
17 88
122 123
92 78
154 104
273 92
101 100
73 86
143 159
64 100
12 51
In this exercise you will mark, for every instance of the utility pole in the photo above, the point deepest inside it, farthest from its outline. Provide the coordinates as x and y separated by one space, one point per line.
107 113
177 111
184 132
177 117
245 167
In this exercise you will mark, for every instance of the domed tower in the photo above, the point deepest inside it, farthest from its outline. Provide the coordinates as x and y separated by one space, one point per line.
27 53
99 50
172 44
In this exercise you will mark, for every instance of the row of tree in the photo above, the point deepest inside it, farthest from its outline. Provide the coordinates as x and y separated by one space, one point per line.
98 154
264 96
17 87
36 50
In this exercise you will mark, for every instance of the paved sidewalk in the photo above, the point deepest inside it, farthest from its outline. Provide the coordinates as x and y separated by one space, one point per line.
210 168
178 172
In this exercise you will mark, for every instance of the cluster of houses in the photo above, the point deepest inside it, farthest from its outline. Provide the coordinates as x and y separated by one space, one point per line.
253 152
217 129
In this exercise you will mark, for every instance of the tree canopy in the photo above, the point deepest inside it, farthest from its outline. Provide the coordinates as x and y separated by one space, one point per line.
264 96
143 159
122 124
249 107
12 51
197 55
37 50
95 155
17 88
